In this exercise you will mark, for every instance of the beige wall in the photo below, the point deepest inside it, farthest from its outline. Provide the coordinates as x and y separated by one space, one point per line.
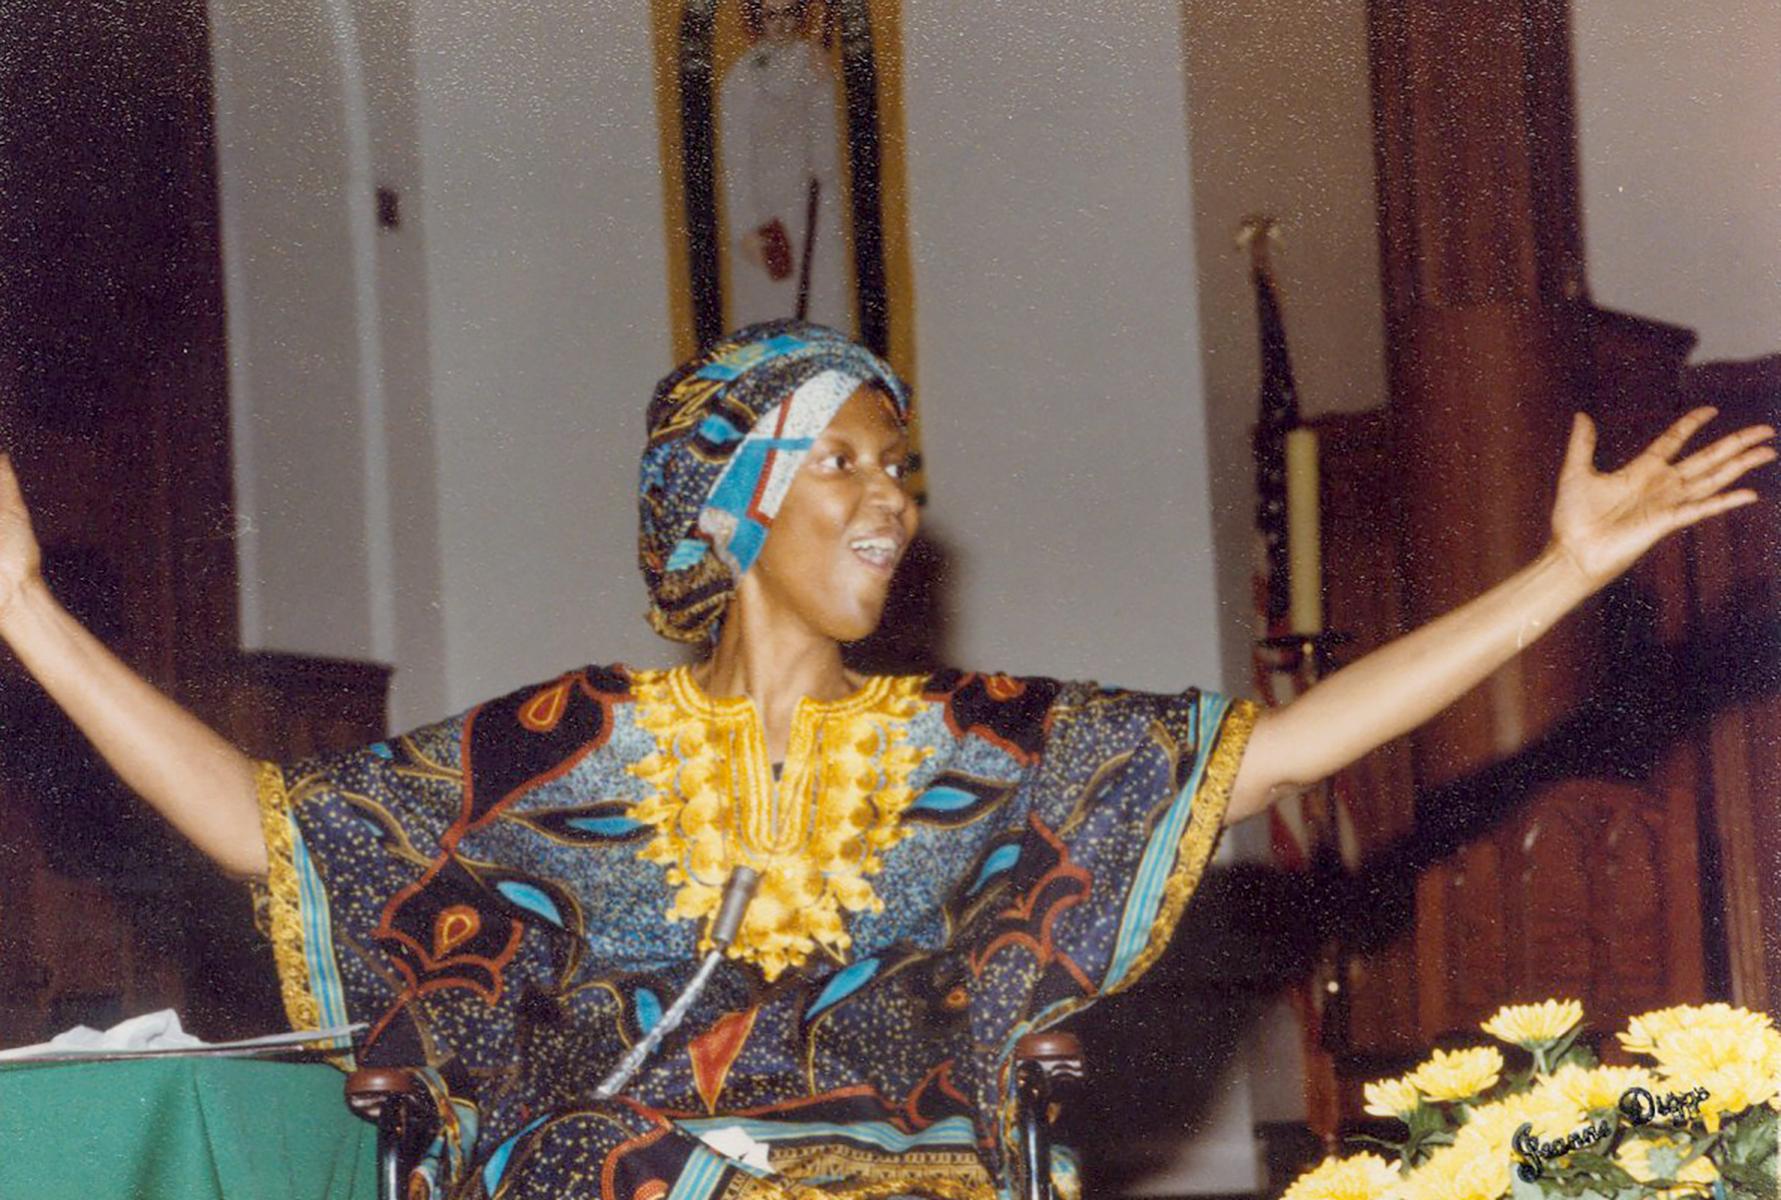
1680 153
488 378
1281 121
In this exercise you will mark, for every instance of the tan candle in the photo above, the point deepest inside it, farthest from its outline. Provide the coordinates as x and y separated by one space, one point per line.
1304 531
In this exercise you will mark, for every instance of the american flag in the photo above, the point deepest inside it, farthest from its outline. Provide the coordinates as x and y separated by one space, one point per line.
1279 674
1312 829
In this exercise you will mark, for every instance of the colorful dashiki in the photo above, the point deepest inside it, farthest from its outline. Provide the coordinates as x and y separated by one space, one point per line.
514 896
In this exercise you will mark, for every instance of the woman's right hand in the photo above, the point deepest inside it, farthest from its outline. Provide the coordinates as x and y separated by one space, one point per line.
21 559
198 781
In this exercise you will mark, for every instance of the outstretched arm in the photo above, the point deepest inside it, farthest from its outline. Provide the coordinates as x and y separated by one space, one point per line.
198 781
1601 524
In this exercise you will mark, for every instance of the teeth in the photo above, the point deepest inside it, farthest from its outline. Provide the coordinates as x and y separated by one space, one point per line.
878 550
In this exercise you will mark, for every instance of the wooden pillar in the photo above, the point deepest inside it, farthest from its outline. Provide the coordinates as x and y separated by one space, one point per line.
1482 281
1485 325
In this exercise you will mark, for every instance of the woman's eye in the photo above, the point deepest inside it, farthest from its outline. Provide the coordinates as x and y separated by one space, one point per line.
897 470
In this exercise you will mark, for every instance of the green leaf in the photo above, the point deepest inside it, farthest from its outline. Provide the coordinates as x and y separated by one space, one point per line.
1361 1139
1425 1119
1556 1052
1580 1054
1751 1135
1663 1161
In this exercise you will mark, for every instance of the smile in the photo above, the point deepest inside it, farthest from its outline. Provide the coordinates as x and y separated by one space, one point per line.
878 552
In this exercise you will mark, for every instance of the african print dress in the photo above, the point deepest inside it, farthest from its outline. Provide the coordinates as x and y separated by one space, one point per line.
513 897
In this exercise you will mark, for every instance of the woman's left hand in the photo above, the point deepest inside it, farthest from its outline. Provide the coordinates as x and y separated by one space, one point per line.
1603 521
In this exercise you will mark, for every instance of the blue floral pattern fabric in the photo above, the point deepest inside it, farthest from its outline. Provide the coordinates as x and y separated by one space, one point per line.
504 898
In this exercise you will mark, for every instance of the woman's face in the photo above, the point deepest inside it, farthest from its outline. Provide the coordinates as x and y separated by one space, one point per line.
842 527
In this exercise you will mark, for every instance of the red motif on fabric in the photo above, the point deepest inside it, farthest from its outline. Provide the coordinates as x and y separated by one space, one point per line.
543 711
939 1078
453 927
1031 917
714 1052
1011 713
1003 687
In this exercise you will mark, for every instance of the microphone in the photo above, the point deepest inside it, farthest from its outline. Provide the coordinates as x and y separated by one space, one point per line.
738 891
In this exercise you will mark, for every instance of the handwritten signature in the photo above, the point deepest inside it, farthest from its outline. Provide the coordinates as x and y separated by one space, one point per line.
1636 1104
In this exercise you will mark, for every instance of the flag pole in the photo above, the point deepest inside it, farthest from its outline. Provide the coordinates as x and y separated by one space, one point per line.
1294 648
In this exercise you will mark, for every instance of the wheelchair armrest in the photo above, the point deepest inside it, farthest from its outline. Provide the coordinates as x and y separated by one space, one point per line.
370 1088
1043 1062
396 1101
1058 1052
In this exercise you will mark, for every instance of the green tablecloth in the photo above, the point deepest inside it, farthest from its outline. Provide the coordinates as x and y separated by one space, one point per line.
183 1129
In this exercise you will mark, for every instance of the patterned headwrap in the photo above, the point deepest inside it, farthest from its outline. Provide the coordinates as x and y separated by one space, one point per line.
727 432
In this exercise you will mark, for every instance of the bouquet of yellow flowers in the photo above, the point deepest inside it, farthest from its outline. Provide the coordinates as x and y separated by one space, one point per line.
1698 1122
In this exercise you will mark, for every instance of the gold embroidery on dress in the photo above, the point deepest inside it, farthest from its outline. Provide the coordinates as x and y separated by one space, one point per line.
814 836
961 1183
1205 822
283 903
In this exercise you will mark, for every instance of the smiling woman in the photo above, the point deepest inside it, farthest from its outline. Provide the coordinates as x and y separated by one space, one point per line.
515 897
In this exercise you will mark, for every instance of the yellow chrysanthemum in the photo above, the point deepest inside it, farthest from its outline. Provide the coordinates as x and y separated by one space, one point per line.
1728 1091
1490 1128
1732 1061
1648 1032
1458 1074
1596 1089
1392 1098
1456 1172
1359 1177
1533 1025
1695 1179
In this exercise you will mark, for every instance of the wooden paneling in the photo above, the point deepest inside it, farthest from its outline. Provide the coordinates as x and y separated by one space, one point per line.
1735 606
113 403
1363 524
1519 802
1625 854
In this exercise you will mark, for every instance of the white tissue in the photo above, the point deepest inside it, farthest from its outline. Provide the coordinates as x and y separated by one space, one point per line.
161 1033
151 1031
733 1141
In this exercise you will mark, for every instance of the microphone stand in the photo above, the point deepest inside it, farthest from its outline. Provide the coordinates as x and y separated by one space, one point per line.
738 891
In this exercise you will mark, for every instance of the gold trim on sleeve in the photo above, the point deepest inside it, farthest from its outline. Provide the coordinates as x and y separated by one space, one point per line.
284 902
1205 822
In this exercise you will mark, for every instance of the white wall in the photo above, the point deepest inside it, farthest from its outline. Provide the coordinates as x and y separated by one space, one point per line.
1281 123
547 299
333 431
295 381
1280 119
1681 165
1062 395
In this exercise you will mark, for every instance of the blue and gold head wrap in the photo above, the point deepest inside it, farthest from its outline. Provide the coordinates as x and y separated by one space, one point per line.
727 432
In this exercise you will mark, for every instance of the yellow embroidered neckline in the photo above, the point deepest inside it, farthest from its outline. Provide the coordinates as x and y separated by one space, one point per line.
814 836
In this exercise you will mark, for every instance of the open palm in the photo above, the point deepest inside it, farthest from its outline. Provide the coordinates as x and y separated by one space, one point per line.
1605 520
